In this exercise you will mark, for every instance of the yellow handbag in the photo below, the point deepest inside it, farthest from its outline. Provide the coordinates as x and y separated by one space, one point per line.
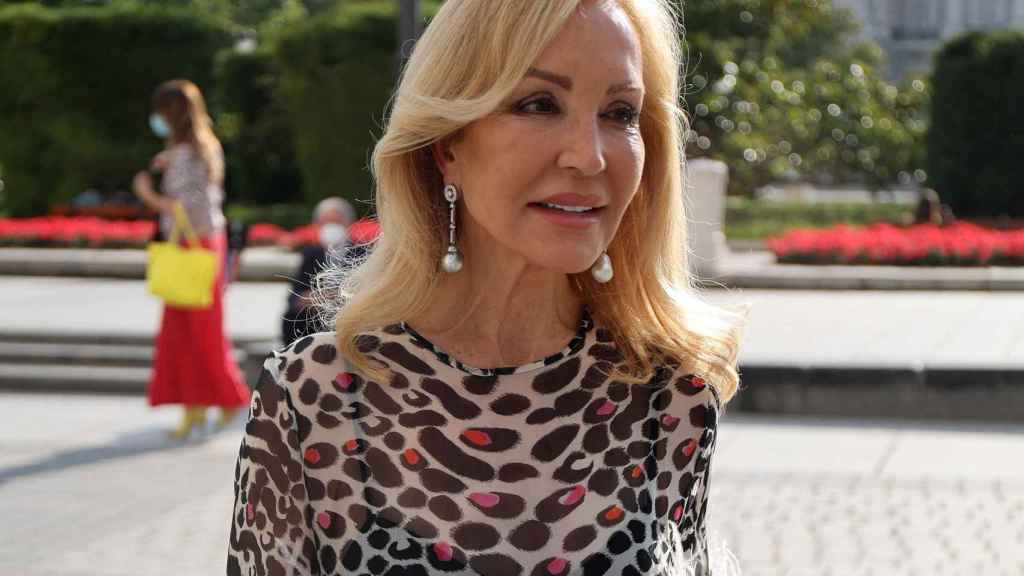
182 277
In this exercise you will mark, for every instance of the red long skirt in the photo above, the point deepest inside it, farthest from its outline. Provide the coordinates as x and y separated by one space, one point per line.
192 363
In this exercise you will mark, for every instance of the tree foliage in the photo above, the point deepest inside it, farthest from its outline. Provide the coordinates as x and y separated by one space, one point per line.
780 89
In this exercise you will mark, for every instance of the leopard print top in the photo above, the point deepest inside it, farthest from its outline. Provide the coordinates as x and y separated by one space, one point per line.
557 470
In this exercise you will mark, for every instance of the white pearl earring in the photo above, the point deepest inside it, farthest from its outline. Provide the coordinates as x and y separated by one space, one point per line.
452 261
602 269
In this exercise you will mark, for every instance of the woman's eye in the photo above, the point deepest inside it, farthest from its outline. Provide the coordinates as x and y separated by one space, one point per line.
626 115
543 105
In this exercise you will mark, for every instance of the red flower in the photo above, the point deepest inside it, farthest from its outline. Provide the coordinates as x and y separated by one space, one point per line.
961 243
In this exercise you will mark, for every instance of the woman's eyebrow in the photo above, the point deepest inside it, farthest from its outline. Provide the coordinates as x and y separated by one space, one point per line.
563 81
566 82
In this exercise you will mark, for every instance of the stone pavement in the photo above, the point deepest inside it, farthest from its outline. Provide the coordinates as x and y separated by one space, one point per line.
89 485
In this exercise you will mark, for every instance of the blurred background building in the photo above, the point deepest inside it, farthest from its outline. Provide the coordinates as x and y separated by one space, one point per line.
911 31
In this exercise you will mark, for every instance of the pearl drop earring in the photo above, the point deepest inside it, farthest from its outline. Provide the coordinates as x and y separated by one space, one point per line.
452 261
602 269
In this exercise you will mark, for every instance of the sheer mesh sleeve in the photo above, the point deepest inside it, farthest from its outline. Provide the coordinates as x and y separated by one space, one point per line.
691 453
270 527
701 557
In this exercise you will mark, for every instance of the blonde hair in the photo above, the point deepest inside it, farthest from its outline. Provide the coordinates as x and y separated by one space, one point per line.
185 109
469 59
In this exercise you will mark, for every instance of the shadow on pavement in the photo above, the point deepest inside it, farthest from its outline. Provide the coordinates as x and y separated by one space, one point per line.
149 440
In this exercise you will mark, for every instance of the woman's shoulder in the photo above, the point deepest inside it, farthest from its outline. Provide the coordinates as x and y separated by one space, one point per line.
685 378
690 381
312 361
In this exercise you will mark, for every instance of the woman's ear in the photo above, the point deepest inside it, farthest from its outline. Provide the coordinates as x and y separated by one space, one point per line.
444 157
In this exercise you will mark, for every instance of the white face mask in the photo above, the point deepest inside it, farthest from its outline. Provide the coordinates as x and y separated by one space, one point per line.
332 235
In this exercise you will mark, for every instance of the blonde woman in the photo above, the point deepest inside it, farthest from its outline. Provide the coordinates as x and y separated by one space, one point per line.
521 381
193 365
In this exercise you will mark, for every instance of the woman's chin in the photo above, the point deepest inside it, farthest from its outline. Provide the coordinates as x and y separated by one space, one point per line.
575 264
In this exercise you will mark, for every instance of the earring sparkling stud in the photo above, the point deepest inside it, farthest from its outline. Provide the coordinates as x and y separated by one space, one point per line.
602 269
452 261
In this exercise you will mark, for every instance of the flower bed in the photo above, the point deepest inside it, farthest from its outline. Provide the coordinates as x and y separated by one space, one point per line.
88 232
959 244
76 231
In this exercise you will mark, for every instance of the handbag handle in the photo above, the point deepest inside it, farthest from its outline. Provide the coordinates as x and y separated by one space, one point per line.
181 222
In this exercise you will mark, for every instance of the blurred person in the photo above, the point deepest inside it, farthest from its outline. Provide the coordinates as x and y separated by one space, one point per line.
332 216
521 378
238 239
929 208
193 364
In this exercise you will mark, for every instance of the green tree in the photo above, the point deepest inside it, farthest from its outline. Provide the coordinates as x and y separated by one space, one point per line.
778 89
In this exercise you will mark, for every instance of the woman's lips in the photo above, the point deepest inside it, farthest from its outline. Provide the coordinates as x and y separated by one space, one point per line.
566 218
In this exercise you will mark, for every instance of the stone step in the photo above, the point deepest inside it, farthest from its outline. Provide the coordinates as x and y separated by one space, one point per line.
104 364
88 354
74 378
50 336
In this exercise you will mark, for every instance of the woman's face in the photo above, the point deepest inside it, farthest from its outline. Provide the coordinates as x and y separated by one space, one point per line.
549 175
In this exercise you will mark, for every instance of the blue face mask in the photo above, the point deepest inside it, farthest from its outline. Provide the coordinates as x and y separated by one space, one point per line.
159 126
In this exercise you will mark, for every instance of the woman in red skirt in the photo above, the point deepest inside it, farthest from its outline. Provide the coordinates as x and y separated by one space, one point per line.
193 364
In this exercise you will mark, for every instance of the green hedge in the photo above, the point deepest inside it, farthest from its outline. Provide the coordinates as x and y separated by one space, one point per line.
748 219
337 74
76 90
258 139
977 132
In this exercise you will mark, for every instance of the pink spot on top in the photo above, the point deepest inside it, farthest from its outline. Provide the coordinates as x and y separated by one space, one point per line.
606 408
443 551
668 421
324 520
250 511
697 381
556 566
678 513
485 499
343 380
312 455
573 496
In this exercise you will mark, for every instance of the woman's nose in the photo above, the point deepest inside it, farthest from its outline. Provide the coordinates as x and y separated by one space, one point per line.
582 148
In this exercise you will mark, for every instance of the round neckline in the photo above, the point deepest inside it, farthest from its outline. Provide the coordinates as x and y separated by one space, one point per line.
574 346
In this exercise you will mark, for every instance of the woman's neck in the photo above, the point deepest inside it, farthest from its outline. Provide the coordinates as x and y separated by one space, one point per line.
500 310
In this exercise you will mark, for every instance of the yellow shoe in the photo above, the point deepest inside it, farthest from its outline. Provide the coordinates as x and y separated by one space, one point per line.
227 416
192 418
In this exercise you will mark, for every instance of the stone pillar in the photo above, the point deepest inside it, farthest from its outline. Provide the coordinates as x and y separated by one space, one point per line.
705 186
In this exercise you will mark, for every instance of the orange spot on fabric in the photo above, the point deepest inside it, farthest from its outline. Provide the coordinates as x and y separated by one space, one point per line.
477 437
637 471
351 446
412 456
312 455
613 513
689 448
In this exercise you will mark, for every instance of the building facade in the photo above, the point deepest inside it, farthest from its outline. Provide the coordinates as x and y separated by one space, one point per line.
911 31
